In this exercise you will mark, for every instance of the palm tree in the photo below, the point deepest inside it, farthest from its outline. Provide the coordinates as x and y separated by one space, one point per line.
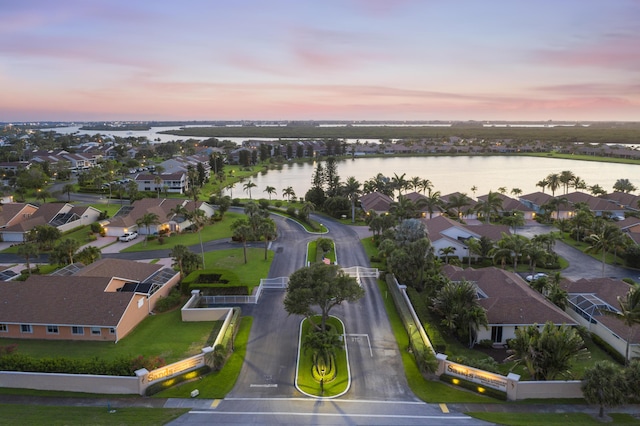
147 220
270 190
543 184
352 190
514 243
415 182
68 189
597 190
492 204
602 241
432 202
403 208
157 180
457 303
89 255
425 185
629 314
553 181
514 219
178 253
267 230
288 192
28 250
624 185
516 192
446 252
247 187
566 177
399 182
242 232
457 202
306 209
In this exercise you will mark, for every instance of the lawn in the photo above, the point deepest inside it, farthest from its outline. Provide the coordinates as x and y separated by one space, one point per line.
537 418
249 273
163 335
52 416
219 383
216 231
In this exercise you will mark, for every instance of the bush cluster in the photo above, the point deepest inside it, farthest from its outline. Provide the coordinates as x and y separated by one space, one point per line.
493 393
172 300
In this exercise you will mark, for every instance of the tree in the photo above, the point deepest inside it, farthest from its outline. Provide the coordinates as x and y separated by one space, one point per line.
547 353
446 252
352 190
305 210
457 303
624 185
223 205
492 204
247 187
288 192
431 203
28 250
316 289
399 182
178 254
456 204
603 384
68 189
270 190
89 255
323 344
516 244
267 230
629 314
514 219
403 208
602 241
147 220
566 178
553 182
64 252
44 235
242 232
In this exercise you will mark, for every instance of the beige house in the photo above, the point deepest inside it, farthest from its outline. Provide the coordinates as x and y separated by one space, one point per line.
103 301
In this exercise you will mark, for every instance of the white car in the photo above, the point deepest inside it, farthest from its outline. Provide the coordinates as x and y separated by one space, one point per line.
536 276
128 236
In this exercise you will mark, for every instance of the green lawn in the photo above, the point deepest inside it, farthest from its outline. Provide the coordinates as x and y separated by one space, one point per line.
307 383
523 419
216 231
219 383
52 416
249 273
163 335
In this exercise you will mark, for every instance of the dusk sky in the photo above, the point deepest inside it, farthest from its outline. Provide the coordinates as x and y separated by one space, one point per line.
319 60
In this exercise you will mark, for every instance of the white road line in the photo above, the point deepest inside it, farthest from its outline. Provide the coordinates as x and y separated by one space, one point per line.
284 413
315 401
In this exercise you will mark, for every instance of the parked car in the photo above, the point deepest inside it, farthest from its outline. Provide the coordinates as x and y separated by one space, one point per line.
536 276
128 236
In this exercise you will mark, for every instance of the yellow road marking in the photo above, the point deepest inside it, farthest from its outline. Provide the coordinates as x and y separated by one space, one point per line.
215 403
444 408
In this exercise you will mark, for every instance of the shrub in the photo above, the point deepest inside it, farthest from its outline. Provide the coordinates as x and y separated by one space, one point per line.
220 289
617 356
167 303
475 387
291 211
278 203
95 227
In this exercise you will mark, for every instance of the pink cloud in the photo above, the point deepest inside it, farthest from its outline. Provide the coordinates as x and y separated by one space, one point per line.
591 89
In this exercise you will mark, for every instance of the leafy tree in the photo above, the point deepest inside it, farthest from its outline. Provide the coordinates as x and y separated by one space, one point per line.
89 255
632 380
323 344
320 287
44 235
178 254
65 251
603 384
331 177
28 250
549 353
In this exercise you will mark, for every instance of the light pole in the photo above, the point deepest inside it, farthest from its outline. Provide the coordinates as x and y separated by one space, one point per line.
232 333
410 335
322 381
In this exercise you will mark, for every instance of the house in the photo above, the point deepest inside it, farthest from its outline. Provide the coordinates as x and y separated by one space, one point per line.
511 204
175 183
466 212
599 206
103 301
65 217
588 298
444 232
375 201
125 220
508 301
182 164
14 213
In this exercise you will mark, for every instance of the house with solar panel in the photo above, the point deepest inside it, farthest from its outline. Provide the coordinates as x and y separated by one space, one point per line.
65 217
103 301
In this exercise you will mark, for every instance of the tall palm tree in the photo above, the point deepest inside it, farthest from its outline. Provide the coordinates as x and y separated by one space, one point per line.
242 232
399 182
28 250
514 243
543 184
602 240
247 187
306 209
68 189
267 230
270 190
457 202
426 185
415 183
403 208
566 178
553 181
288 192
431 203
352 190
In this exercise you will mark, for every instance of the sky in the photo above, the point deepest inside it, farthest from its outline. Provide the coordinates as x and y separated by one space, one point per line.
105 60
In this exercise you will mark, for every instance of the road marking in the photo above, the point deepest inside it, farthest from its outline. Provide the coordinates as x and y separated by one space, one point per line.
313 400
215 403
265 385
444 408
314 414
357 336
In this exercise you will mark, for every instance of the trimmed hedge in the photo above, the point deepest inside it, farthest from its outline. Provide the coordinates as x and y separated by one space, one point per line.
192 281
115 367
617 356
220 290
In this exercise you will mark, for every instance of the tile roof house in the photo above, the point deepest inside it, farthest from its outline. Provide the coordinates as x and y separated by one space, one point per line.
103 301
125 220
508 301
375 201
13 213
175 183
511 204
589 297
444 232
63 216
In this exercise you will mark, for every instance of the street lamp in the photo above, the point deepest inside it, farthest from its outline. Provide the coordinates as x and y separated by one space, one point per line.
232 333
322 380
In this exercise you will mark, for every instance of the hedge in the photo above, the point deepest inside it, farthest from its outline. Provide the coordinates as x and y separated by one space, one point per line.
115 367
474 387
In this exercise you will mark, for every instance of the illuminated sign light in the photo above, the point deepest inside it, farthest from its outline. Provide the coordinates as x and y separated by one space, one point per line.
175 368
474 375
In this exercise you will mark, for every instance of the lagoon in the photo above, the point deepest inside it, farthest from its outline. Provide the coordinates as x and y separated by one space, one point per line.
448 173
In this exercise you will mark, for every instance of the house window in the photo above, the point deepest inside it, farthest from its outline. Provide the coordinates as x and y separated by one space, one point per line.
96 331
112 330
4 328
52 329
496 334
26 328
77 330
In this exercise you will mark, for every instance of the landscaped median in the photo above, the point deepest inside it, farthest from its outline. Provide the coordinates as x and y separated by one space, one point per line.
319 377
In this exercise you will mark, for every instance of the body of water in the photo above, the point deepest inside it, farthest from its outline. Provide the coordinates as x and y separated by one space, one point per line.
448 174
